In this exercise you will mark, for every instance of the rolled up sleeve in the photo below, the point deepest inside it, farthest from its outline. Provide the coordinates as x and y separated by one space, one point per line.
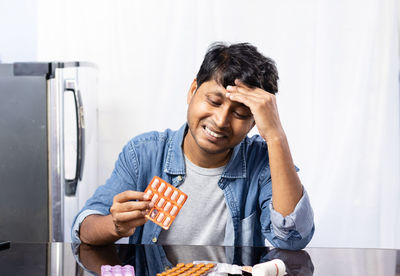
292 232
78 221
299 222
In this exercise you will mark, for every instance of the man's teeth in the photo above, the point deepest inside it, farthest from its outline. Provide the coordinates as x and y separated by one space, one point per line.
213 133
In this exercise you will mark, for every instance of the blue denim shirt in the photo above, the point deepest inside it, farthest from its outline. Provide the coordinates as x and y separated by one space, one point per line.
246 183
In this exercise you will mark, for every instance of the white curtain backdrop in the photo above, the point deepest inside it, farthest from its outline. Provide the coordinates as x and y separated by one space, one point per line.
338 100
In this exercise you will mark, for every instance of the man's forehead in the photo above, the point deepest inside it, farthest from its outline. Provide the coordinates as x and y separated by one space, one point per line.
221 93
213 85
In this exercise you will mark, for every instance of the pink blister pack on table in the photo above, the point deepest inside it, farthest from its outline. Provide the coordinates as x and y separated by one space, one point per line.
167 199
117 270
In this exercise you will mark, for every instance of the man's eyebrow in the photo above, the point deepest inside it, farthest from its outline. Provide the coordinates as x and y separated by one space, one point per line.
217 93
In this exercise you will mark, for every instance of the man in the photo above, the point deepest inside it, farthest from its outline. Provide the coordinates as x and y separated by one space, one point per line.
240 190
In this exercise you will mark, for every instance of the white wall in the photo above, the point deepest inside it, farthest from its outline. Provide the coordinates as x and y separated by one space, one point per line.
338 99
18 35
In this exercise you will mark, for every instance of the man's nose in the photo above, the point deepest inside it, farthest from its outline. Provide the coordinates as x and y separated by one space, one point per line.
221 117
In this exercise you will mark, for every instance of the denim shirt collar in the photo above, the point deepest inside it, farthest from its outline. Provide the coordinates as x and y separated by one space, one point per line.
175 161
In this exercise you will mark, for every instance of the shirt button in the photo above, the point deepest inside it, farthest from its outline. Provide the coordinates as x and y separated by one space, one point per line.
154 240
180 177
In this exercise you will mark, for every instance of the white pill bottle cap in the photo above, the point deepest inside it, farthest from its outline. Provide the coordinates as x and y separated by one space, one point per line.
275 267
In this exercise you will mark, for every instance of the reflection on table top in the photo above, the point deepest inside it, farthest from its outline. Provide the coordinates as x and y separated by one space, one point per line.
68 259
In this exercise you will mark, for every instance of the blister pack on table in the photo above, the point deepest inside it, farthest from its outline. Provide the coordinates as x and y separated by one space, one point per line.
188 269
117 270
167 199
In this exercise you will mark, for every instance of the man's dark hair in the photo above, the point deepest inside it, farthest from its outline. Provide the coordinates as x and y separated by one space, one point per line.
225 63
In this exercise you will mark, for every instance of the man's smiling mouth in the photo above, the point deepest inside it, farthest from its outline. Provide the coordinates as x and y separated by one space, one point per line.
212 133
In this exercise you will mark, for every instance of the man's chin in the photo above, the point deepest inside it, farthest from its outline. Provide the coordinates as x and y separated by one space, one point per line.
214 150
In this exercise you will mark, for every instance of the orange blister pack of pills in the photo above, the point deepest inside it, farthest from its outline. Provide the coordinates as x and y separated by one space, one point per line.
167 200
189 269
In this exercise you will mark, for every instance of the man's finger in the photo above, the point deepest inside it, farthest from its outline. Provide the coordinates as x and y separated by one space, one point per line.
128 216
240 97
139 222
240 83
129 195
132 206
250 92
256 91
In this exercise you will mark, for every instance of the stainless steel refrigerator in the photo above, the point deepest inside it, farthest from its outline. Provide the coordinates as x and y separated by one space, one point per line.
48 147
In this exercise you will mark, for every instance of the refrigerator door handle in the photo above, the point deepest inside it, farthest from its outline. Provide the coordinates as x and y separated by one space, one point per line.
71 184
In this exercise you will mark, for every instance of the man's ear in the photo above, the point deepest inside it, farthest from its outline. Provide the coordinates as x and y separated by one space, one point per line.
192 90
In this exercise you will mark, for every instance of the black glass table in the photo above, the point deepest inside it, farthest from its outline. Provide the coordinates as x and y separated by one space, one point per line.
69 259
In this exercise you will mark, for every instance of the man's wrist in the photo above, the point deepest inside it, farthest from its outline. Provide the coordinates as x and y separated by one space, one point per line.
276 139
112 229
98 230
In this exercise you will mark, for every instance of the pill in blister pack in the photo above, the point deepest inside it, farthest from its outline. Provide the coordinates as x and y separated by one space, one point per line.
167 200
189 269
117 270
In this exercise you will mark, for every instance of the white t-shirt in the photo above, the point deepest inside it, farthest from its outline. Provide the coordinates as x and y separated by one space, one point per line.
202 220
